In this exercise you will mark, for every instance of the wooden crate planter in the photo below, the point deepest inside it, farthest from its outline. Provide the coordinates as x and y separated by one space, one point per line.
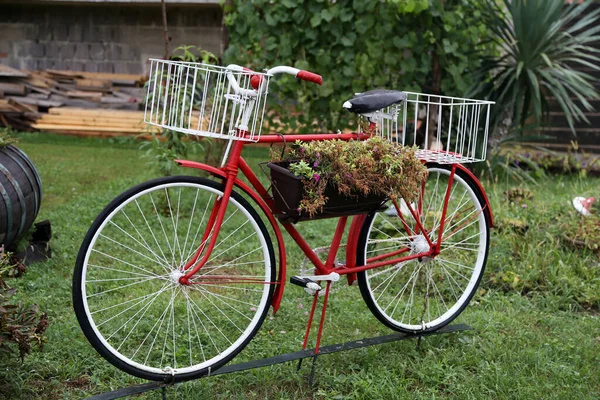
288 190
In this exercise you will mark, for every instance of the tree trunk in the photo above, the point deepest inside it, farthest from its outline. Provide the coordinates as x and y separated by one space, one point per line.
165 30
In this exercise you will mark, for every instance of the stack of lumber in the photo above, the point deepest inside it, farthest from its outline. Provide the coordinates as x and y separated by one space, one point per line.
94 122
32 100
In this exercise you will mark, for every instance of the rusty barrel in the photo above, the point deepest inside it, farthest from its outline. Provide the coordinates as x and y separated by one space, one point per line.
20 194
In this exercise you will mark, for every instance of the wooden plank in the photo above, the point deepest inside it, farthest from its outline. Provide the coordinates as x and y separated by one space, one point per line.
64 74
96 112
116 78
13 88
22 106
5 106
38 102
93 85
119 79
6 71
92 122
127 97
84 95
40 80
114 100
37 89
84 128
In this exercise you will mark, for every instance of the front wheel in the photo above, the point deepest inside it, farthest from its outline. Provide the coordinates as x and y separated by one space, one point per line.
425 294
126 290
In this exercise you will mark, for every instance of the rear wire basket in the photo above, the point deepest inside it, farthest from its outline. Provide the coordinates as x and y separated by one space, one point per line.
446 130
206 100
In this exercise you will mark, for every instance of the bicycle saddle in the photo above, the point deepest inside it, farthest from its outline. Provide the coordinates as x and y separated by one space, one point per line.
374 100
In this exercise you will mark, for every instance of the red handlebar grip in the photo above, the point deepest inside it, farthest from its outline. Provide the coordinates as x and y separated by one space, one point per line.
309 76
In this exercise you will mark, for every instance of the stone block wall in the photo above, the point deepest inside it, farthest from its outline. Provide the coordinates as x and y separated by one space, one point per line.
105 37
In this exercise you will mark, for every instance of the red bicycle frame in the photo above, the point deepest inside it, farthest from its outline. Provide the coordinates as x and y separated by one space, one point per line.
229 175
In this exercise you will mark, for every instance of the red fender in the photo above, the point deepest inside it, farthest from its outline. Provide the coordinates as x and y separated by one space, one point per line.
485 198
266 210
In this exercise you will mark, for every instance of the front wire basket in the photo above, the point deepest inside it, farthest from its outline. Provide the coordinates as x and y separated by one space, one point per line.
206 100
446 130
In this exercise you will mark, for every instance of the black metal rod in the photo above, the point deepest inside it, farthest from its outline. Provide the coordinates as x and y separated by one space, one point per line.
282 358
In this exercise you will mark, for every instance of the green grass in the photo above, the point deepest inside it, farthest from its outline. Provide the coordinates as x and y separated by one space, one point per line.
536 327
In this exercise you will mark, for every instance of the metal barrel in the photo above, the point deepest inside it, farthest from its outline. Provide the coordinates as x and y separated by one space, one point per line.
20 194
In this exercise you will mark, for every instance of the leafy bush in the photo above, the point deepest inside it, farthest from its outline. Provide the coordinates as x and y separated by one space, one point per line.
424 45
20 325
373 166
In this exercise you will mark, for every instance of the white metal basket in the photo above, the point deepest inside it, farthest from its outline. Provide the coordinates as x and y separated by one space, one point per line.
446 130
206 100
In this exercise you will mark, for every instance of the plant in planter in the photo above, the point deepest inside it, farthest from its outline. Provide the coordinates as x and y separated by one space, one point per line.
331 178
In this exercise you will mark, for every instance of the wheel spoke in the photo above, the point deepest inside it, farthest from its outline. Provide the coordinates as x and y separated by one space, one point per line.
426 293
127 290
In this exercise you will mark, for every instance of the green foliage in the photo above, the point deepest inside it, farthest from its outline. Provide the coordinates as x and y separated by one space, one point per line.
7 137
373 166
194 54
356 46
539 43
19 325
163 149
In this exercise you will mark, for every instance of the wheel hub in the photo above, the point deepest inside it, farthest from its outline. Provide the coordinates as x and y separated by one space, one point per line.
419 245
175 275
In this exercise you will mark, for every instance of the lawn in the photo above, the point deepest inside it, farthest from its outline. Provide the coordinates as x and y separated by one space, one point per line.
536 320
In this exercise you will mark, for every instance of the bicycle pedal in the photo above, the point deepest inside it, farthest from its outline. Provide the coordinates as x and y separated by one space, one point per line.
308 285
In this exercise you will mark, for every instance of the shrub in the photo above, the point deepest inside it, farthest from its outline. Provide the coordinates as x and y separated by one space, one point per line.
20 325
422 45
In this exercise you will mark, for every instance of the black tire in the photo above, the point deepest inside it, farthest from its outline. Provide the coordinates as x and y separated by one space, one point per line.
436 290
124 283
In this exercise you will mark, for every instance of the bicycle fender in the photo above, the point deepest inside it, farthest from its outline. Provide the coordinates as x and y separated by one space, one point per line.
485 198
278 294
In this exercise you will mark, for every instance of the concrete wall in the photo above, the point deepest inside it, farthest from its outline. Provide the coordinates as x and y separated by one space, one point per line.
115 38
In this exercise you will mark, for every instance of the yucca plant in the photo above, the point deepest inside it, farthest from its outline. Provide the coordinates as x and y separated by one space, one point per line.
539 44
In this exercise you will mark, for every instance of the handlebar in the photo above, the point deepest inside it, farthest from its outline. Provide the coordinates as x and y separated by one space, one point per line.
257 81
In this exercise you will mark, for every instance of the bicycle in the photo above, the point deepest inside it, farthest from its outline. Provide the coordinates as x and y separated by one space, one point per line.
175 276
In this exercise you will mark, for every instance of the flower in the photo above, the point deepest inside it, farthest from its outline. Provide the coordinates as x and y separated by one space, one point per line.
318 155
316 164
317 177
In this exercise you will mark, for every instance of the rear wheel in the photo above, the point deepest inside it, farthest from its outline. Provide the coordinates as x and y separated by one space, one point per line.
422 295
126 289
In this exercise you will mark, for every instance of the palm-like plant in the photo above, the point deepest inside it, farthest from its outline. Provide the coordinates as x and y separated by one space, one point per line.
540 41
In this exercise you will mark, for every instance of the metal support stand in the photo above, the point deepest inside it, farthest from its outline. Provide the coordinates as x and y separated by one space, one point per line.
298 355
